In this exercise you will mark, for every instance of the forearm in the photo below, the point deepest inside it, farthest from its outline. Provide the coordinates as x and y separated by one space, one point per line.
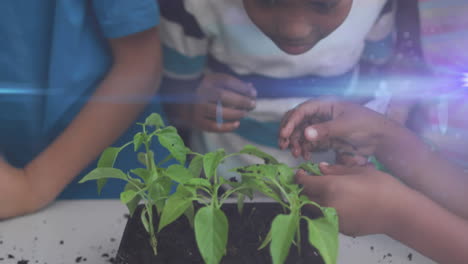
130 83
430 229
419 166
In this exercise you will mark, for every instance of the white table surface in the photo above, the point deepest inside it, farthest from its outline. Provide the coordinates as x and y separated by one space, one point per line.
90 229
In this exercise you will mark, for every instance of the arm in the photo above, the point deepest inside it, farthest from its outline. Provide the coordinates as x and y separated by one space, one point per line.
196 97
354 129
424 170
430 229
135 73
371 202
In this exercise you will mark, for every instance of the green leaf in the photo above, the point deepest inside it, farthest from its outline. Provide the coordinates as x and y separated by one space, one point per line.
196 166
133 204
144 174
127 196
259 171
265 241
211 162
107 160
247 192
138 140
283 229
141 156
261 186
108 157
169 138
157 192
154 120
178 173
310 167
142 159
323 235
176 205
199 182
211 233
285 174
144 219
254 151
166 184
104 173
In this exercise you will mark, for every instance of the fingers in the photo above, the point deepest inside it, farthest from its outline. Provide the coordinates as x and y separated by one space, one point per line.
309 113
325 131
208 110
231 83
223 101
235 100
283 142
342 170
350 159
294 143
205 118
313 185
294 118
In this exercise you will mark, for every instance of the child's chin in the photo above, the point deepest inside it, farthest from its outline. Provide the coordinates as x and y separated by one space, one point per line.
295 49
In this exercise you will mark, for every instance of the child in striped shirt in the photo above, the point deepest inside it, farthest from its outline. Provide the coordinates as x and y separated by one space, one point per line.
248 62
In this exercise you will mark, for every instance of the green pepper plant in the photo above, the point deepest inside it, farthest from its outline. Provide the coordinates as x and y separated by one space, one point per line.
275 180
151 183
198 182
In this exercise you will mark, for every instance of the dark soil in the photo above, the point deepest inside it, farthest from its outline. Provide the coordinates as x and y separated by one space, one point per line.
176 242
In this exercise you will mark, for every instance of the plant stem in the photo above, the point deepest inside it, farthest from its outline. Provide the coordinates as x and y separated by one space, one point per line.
227 194
143 192
126 145
153 241
166 159
298 231
202 201
285 194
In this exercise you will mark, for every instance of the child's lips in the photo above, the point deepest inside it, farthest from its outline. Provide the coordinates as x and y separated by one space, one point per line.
294 48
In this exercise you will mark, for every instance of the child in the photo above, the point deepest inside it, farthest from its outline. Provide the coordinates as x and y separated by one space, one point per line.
250 61
54 56
427 214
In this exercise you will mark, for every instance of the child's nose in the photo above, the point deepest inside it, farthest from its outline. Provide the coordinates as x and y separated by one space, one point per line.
295 28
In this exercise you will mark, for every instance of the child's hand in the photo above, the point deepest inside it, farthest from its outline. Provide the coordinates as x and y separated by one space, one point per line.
222 101
365 198
348 128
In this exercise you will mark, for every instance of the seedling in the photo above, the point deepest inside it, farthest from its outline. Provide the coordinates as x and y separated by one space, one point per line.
152 183
200 183
275 180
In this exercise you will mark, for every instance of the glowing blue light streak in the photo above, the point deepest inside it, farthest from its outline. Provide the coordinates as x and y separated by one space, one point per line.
465 80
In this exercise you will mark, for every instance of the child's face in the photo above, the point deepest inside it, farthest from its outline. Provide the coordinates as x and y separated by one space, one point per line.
296 26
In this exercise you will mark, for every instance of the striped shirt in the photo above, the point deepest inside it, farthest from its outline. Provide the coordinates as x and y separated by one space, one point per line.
202 36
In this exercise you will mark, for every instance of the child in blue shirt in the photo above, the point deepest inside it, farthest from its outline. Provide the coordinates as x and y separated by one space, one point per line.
74 75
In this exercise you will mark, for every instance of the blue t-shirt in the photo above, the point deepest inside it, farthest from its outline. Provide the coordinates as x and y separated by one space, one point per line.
53 54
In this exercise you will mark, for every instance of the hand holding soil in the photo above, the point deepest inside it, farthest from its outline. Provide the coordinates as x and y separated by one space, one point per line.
348 128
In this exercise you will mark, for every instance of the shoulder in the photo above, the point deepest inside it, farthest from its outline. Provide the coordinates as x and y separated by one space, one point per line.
119 18
205 13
